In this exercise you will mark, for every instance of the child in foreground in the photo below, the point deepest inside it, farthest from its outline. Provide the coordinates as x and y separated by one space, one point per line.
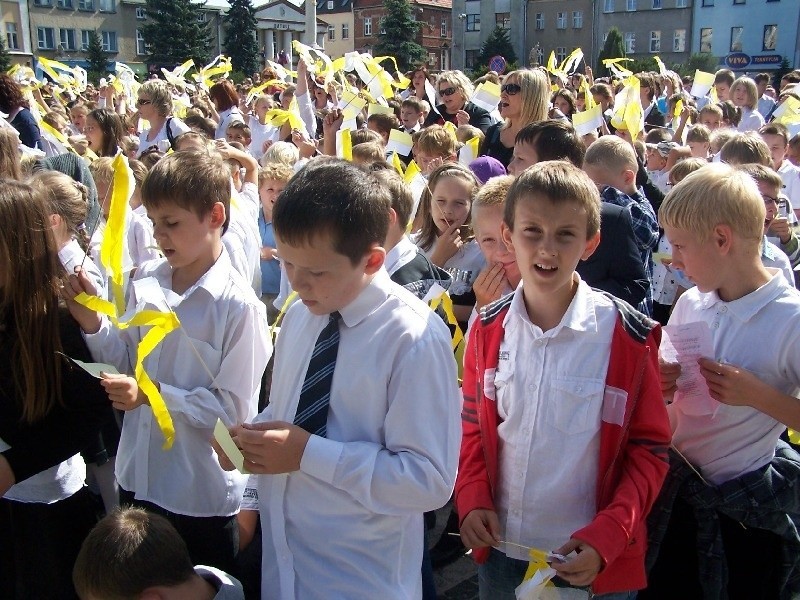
596 411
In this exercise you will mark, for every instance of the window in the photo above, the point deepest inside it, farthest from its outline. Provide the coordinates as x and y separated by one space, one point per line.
66 37
383 27
12 42
109 41
345 31
679 41
736 39
86 36
64 4
738 1
141 46
561 20
657 5
503 20
443 28
45 37
540 21
141 13
770 37
331 32
201 17
708 2
705 39
107 5
367 25
43 2
577 19
471 58
608 6
630 5
655 41
86 5
330 4
473 22
680 3
630 42
561 54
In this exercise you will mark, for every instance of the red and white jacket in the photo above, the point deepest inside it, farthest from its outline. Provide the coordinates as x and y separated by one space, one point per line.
634 439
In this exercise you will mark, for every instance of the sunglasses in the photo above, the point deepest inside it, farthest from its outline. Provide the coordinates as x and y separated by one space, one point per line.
448 91
143 102
512 89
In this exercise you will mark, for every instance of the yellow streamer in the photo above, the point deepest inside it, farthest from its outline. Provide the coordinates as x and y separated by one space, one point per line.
279 319
112 248
794 437
347 145
458 336
398 164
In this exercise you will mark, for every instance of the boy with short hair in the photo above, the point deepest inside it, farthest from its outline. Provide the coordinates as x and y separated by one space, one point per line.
434 147
595 410
726 520
382 124
723 80
374 402
776 136
134 554
209 370
411 114
611 163
238 131
699 141
272 180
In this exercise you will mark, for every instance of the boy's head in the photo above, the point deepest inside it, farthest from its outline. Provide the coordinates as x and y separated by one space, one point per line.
487 220
411 112
433 146
710 116
699 141
129 552
382 124
776 137
192 140
369 152
746 148
762 82
723 80
238 131
465 133
714 220
769 186
657 155
611 161
272 180
102 170
719 138
197 182
281 152
546 140
402 202
683 167
330 223
362 136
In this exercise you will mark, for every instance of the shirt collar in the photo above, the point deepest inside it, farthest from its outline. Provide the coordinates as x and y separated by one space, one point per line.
369 300
746 307
213 281
400 255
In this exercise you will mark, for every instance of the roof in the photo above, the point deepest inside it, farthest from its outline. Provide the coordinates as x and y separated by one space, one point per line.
339 6
435 3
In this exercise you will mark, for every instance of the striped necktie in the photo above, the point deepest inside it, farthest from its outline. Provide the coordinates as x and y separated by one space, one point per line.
312 408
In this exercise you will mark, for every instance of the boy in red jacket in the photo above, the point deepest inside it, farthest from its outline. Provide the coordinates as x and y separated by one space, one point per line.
565 430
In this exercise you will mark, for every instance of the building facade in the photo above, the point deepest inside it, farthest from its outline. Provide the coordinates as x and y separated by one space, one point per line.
435 33
558 26
279 23
338 14
16 31
748 35
474 21
649 27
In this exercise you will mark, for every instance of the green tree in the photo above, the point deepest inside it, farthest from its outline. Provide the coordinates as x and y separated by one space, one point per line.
5 58
399 39
173 33
638 65
613 48
782 70
497 44
97 58
704 61
240 36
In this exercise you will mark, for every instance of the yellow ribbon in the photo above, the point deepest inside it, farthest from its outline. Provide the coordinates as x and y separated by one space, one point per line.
398 164
794 437
112 248
286 304
347 145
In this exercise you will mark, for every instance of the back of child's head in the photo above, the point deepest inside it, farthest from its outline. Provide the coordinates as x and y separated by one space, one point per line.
281 152
66 198
275 172
139 170
465 133
745 148
150 157
400 194
192 180
558 182
717 194
102 170
436 141
698 133
127 552
429 231
762 174
657 135
683 167
201 124
362 136
553 139
611 153
382 123
335 198
192 140
719 138
368 152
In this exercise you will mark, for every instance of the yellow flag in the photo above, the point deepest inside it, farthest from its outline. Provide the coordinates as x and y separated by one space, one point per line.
587 95
345 149
398 164
112 249
794 437
411 171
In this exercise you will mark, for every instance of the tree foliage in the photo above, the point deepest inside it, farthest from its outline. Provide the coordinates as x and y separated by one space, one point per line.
173 33
497 44
614 47
240 36
399 39
704 61
5 57
97 58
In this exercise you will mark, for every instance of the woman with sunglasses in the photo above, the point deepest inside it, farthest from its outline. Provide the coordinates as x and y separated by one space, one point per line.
524 98
456 90
155 106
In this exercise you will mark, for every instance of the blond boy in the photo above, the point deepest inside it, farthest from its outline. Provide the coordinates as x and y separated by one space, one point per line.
272 179
434 147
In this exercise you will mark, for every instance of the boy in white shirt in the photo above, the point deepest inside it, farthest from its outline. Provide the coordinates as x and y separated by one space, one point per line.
341 508
776 136
727 519
209 369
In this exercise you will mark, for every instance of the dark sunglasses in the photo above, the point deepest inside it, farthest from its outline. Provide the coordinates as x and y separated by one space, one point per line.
448 91
512 89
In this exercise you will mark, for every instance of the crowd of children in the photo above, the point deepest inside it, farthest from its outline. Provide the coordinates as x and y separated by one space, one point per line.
606 410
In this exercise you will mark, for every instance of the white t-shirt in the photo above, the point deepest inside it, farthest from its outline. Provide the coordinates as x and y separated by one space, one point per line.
161 139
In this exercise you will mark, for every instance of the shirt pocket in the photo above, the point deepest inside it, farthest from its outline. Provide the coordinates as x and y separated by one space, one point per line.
192 373
575 405
503 380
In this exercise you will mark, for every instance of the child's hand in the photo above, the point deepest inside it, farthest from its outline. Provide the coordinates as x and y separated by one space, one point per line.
222 458
73 285
267 253
581 570
780 227
446 245
272 447
462 117
266 145
480 528
123 391
669 376
306 147
731 385
489 285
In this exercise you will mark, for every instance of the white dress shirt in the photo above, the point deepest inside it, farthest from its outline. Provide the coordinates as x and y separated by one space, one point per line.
242 238
790 175
751 120
760 333
72 255
403 253
227 326
348 524
550 387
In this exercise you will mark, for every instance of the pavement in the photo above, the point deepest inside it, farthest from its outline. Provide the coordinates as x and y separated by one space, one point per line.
458 580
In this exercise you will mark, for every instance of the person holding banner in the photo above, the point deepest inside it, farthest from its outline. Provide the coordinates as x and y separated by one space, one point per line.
455 91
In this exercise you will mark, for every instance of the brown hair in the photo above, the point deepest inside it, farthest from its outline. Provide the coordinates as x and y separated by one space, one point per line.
65 197
436 140
428 233
745 148
9 154
368 152
225 94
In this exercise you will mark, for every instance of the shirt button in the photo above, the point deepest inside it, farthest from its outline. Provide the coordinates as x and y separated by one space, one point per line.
579 388
724 309
532 387
715 325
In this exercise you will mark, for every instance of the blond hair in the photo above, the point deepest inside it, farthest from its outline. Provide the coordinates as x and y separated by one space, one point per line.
535 95
720 137
437 141
749 86
762 174
612 153
746 148
717 194
102 170
493 192
428 232
281 152
66 198
275 172
698 133
465 133
459 81
683 167
368 152
157 91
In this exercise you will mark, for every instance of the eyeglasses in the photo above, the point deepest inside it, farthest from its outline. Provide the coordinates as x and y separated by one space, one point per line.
769 199
143 102
448 91
512 89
